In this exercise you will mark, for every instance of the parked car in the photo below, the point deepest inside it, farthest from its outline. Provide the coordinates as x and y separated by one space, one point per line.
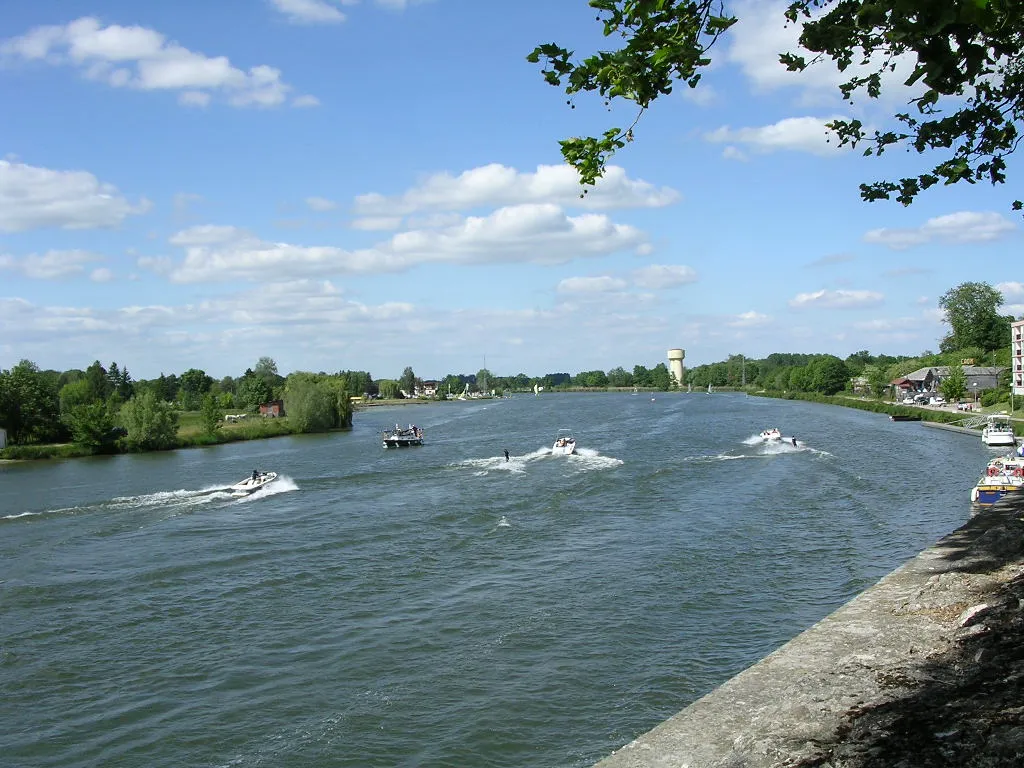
938 400
908 400
921 399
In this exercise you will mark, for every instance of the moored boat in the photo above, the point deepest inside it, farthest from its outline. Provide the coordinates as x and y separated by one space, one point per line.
998 433
402 437
565 443
1003 475
253 483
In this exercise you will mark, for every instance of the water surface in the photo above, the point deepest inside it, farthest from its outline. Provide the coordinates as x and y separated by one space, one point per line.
440 606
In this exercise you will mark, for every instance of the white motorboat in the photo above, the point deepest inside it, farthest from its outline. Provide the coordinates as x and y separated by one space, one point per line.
402 437
772 433
998 433
565 443
253 483
1003 475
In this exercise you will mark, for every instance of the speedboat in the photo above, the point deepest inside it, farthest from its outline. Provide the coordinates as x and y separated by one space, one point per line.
565 443
1003 475
402 437
253 483
998 432
771 433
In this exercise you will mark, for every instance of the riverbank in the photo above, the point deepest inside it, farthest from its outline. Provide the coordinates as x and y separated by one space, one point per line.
924 669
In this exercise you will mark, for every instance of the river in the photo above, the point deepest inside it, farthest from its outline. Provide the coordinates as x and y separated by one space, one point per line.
439 605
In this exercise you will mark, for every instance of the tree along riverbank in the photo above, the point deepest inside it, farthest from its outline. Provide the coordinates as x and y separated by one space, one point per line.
190 435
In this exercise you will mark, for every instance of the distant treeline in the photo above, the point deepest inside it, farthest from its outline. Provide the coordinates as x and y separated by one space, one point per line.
103 409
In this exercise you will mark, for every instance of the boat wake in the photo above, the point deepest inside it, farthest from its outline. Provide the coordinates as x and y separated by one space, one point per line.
175 502
282 484
584 460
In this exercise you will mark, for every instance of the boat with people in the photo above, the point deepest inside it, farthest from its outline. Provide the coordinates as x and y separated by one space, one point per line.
770 434
998 432
565 443
402 437
258 479
1003 475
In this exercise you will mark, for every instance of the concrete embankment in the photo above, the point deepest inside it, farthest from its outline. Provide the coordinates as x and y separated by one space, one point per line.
925 668
953 428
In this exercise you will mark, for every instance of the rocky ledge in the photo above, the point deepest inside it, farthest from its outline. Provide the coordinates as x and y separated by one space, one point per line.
926 668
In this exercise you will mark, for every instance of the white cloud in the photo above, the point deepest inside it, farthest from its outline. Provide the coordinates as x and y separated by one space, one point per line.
960 227
141 58
603 284
101 275
50 265
306 101
377 223
1011 290
733 153
309 11
658 276
749 319
320 204
841 299
802 134
497 184
32 198
539 234
762 33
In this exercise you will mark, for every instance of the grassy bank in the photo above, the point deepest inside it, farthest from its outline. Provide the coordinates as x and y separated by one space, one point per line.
881 406
190 435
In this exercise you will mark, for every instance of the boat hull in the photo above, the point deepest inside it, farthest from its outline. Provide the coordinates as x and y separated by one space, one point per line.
987 494
401 442
249 485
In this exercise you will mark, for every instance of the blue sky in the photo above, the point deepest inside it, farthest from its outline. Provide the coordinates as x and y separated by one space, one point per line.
377 184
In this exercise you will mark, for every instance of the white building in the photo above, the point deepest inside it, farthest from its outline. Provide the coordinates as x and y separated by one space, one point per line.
1017 357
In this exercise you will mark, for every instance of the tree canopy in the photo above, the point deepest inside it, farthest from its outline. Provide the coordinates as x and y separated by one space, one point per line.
972 311
966 57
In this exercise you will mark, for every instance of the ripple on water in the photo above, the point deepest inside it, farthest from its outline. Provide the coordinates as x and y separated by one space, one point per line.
442 606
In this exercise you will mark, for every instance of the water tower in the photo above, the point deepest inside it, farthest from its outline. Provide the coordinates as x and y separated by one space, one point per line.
675 365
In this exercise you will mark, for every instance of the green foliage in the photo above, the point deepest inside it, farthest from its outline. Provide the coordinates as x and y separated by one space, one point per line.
595 379
152 424
619 377
967 58
829 375
193 385
408 382
878 381
665 42
254 390
211 414
388 389
642 376
967 55
317 402
310 405
92 425
972 311
661 379
29 405
954 386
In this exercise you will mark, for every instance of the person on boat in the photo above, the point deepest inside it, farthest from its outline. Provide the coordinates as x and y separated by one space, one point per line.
794 441
506 454
255 475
